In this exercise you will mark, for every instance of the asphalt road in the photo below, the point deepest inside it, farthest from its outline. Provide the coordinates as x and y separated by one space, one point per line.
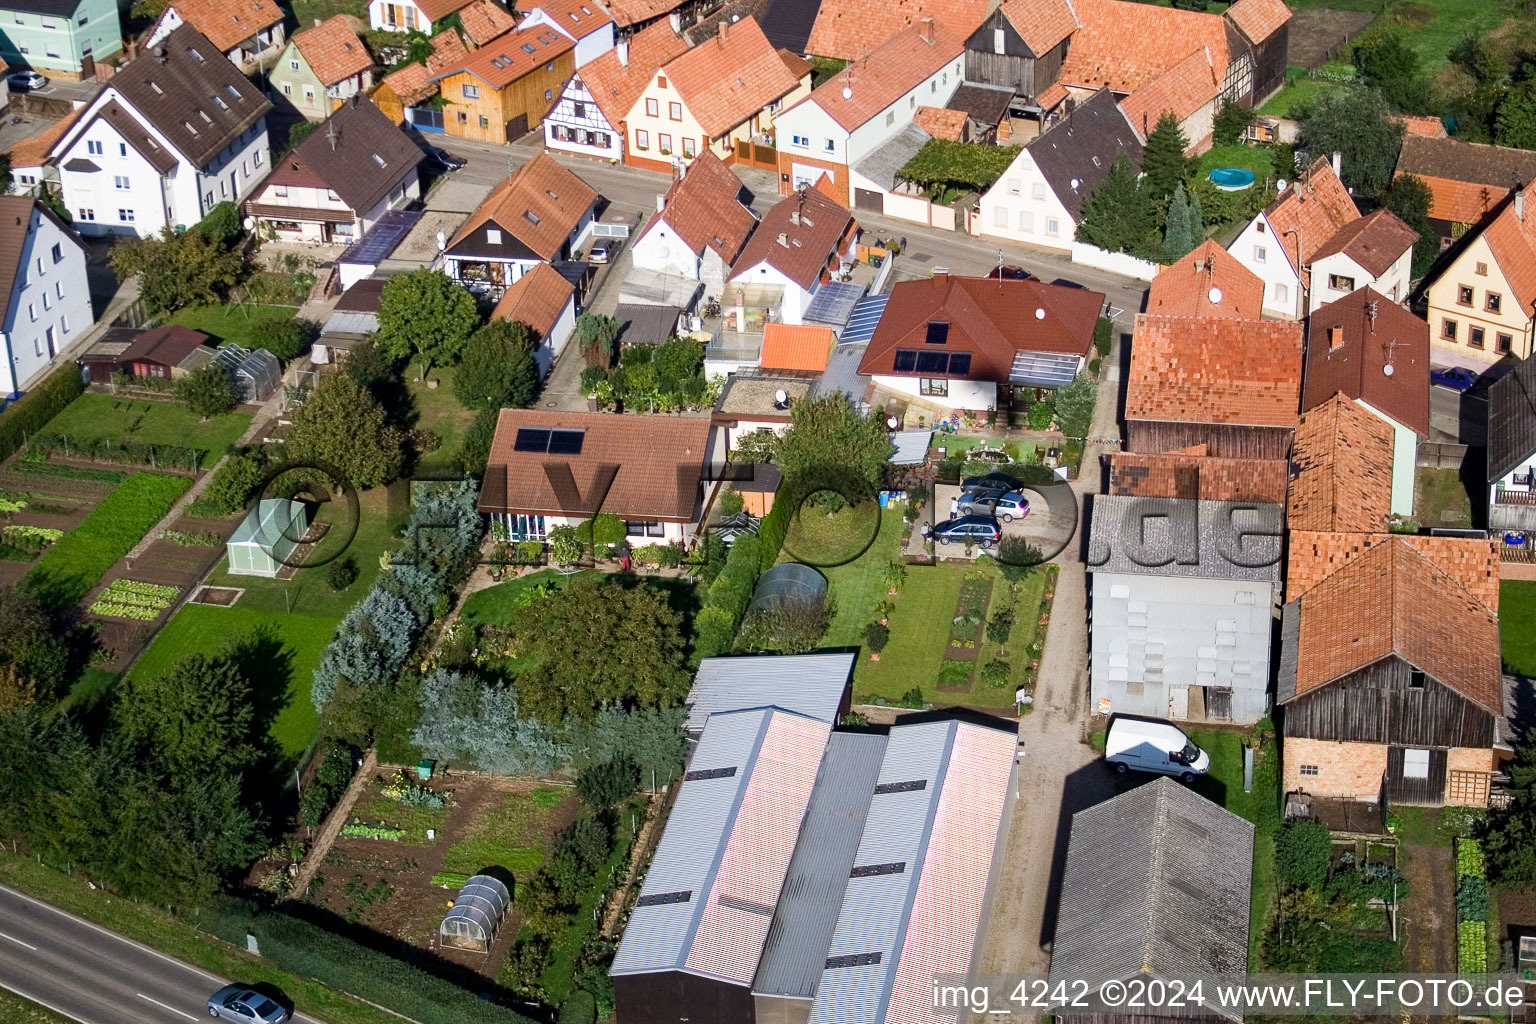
93 975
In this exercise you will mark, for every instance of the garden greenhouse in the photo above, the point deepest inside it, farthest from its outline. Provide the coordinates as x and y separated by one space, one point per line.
790 581
476 915
266 539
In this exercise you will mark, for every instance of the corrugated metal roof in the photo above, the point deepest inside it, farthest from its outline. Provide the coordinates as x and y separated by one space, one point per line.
1232 540
796 951
727 846
807 684
911 447
944 787
1157 882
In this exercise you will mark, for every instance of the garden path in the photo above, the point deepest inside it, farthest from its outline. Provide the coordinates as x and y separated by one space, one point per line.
331 827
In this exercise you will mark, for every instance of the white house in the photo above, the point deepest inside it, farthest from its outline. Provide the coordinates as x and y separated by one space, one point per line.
584 21
546 302
408 15
242 30
47 302
170 136
589 116
1279 244
792 251
1375 251
1511 465
1039 199
699 228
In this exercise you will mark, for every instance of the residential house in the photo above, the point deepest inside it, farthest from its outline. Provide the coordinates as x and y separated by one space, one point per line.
699 228
550 469
61 38
485 20
1155 891
759 399
32 168
850 30
1280 243
546 302
1391 683
1511 467
860 114
47 301
720 94
586 22
321 67
589 117
411 15
797 244
1232 385
170 136
1376 354
1481 301
953 343
1191 474
1184 593
837 836
502 91
242 30
405 95
1021 46
1207 281
1039 198
1375 251
541 214
816 686
631 16
341 179
1263 28
1467 181
796 349
167 353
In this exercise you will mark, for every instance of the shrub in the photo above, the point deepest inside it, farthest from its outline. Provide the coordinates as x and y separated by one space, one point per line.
603 785
284 336
876 636
231 487
207 391
604 529
578 1008
1000 626
913 698
789 626
1472 899
1103 335
1301 854
341 573
997 672
1018 559
1040 416
730 502
715 631
31 411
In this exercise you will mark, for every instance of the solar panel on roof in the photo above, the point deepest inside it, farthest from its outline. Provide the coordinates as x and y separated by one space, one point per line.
381 239
552 442
566 442
938 332
864 319
833 303
906 360
959 363
530 439
1044 369
933 362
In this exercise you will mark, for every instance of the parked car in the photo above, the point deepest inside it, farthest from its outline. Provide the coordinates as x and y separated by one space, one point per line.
982 531
1010 273
26 81
1152 745
602 251
243 1005
990 482
443 161
1005 505
1454 378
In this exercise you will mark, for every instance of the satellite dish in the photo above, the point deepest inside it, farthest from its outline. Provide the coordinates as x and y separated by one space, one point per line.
1280 184
847 93
780 398
892 422
1214 295
442 241
249 223
1039 313
1076 182
1387 369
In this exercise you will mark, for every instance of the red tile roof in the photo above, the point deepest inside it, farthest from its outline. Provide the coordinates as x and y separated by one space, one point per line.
797 65
437 10
1309 213
447 48
1313 557
228 23
507 59
1214 370
33 152
1375 241
1512 239
632 12
941 123
1126 45
412 84
797 237
1341 470
1190 473
894 69
1257 20
484 21
636 467
169 345
616 86
1041 23
1427 127
536 299
727 79
851 29
556 198
1392 599
703 209
1186 287
1182 89
333 51
1348 349
991 319
791 347
578 17
1466 179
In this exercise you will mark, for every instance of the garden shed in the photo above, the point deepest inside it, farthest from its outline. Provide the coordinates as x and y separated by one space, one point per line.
267 537
790 581
476 915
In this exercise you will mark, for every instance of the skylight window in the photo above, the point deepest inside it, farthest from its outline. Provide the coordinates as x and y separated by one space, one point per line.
379 160
218 101
195 55
155 88
527 48
204 115
188 126
551 194
530 217
232 91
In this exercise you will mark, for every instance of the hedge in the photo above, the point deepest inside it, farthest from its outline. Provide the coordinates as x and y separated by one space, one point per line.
728 596
31 411
773 526
579 1008
125 452
309 951
1103 335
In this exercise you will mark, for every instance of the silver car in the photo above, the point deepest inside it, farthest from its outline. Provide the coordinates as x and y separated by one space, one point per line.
241 1005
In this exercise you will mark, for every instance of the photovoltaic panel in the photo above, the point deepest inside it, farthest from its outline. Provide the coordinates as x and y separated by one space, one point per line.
865 318
531 439
1044 369
833 303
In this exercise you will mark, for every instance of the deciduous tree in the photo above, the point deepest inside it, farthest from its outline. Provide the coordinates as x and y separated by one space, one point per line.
1360 127
207 391
498 369
828 437
177 270
1515 123
425 315
1074 405
1227 127
1409 197
341 425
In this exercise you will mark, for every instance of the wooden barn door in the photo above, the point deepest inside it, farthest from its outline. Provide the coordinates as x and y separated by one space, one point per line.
1416 776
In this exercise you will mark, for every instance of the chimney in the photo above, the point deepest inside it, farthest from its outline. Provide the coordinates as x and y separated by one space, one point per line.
661 203
621 48
1338 164
925 30
676 21
941 276
1335 338
317 23
783 239
724 32
794 217
1520 203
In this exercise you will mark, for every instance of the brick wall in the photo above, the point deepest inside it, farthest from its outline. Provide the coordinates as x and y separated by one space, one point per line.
1466 775
1348 770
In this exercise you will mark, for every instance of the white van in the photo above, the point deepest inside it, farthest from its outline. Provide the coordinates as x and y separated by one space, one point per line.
1150 745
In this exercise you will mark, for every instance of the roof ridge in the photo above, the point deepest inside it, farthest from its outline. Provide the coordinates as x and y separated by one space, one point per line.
1155 869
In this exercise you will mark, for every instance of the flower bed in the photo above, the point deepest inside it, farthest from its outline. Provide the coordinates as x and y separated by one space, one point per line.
965 632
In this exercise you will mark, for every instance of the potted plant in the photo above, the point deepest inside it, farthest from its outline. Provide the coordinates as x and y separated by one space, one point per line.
876 635
894 574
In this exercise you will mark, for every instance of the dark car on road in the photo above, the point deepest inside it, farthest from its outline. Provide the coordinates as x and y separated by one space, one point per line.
1009 273
1454 378
990 482
443 161
241 1004
982 531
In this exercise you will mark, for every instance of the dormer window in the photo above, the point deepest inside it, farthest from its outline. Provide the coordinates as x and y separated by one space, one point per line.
938 332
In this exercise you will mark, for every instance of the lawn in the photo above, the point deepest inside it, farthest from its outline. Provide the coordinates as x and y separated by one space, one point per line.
1303 92
493 606
204 629
857 587
1517 626
149 422
511 837
1441 498
108 532
821 538
1434 27
229 322
1258 159
438 410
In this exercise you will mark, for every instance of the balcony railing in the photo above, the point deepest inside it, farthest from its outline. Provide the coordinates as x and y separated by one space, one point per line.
1508 497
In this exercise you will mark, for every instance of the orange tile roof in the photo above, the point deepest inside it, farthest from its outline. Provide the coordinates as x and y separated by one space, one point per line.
703 209
1051 95
1392 599
34 152
1341 470
1126 45
1185 287
412 84
1183 89
1426 127
894 69
333 51
1258 19
1313 557
1466 179
615 86
228 23
556 198
1375 241
1215 370
1462 202
797 65
632 12
437 10
1190 473
447 48
536 299
1512 240
851 29
790 347
727 79
578 17
507 58
1041 23
484 21
1309 212
941 123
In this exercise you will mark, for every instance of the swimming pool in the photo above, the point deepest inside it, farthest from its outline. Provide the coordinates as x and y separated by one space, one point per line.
1231 179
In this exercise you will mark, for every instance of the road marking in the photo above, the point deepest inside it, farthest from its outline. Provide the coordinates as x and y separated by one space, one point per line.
43 1003
18 942
162 1006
